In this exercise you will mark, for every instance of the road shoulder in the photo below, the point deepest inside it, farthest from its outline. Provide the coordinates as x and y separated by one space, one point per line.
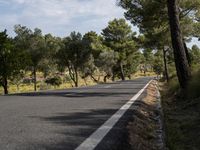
146 129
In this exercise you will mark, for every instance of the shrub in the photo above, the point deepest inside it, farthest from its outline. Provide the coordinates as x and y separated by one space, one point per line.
173 85
194 86
54 81
27 80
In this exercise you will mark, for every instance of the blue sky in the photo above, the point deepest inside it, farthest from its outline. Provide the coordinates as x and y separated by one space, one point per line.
60 17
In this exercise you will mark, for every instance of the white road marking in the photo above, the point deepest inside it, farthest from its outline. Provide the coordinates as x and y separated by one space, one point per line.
93 140
108 86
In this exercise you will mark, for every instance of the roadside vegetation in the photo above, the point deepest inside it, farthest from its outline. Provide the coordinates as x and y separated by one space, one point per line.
182 110
26 84
145 129
182 113
32 59
166 27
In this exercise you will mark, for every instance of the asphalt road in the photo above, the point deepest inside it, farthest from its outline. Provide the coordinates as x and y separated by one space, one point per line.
63 119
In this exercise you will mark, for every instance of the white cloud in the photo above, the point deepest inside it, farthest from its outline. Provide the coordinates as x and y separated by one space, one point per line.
19 1
60 16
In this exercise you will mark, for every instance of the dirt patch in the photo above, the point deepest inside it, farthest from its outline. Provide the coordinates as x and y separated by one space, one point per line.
145 131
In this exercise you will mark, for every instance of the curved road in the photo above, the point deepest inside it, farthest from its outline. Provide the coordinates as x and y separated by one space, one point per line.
63 119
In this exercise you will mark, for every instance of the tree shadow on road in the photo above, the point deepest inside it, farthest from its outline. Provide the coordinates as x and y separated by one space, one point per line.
106 93
84 124
75 127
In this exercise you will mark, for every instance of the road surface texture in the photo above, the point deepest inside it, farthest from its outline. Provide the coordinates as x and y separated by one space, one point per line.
63 119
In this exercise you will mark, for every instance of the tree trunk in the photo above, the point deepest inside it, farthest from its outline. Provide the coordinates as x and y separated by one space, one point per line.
105 78
122 71
165 65
129 77
187 53
35 78
71 74
93 78
182 66
113 74
85 81
5 85
76 77
18 87
144 70
113 78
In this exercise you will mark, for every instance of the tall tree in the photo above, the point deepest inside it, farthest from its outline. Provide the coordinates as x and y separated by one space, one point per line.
132 63
12 60
34 44
163 45
106 61
119 37
152 14
104 58
158 63
73 56
92 43
47 65
181 62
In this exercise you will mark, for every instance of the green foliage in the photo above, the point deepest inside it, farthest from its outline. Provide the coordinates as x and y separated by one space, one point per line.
181 115
89 67
195 55
73 55
148 55
158 68
93 44
132 63
114 53
117 31
194 86
33 42
145 14
173 86
47 64
55 81
196 30
11 60
119 37
152 15
106 61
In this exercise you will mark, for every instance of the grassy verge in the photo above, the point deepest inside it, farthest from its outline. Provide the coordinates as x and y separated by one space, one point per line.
182 114
145 131
43 86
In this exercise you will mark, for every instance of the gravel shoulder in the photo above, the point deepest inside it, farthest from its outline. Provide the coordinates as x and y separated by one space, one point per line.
145 130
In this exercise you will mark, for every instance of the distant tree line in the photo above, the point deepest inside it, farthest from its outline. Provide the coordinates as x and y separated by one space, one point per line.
113 54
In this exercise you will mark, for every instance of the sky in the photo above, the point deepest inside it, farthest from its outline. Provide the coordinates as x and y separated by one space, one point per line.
60 17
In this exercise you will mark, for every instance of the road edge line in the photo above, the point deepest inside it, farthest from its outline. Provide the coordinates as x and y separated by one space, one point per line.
96 137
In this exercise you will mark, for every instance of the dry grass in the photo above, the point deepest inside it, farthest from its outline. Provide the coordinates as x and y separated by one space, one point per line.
182 120
143 130
141 74
42 86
